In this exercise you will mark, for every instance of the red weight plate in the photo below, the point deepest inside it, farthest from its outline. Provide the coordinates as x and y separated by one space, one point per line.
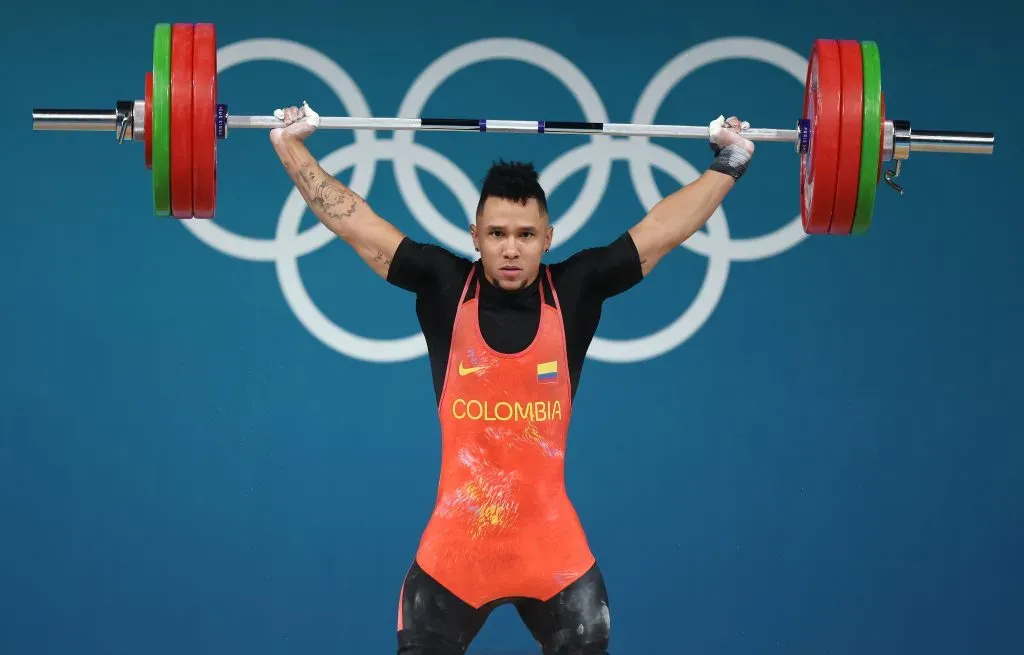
823 108
148 120
850 133
204 125
881 138
181 120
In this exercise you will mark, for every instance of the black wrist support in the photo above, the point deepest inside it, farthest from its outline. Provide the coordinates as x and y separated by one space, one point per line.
731 160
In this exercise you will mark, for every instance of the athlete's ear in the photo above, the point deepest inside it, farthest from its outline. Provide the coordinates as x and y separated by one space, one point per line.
472 233
549 233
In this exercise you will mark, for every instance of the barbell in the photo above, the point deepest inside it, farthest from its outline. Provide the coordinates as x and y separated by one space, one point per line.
842 138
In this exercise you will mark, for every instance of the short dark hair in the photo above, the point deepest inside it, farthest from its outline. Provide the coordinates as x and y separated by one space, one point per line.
515 181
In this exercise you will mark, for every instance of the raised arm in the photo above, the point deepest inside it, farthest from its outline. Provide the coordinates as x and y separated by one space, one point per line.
339 208
682 213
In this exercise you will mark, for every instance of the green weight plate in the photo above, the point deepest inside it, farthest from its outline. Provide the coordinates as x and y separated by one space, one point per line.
870 142
162 119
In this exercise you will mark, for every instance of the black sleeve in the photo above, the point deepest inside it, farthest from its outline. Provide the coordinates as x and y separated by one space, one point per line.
597 274
426 269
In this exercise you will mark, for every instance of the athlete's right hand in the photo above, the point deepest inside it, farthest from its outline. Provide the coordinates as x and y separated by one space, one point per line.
299 122
732 150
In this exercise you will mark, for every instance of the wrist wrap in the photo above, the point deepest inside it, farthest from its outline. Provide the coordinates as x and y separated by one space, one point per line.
731 160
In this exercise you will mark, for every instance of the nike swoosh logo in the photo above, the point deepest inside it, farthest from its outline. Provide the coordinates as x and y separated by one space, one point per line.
466 371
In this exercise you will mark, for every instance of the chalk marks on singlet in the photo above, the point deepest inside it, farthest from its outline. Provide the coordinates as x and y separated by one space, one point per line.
528 437
486 502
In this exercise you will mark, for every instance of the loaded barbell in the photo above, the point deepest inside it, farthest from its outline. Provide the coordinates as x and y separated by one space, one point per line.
842 138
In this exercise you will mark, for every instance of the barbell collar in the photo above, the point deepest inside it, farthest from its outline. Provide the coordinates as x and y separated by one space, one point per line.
139 120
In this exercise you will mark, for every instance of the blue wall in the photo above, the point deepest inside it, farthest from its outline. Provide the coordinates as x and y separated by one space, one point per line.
826 459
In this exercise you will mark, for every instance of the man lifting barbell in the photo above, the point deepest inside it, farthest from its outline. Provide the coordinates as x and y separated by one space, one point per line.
507 336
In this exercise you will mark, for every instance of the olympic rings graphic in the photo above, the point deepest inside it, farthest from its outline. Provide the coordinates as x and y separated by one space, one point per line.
597 154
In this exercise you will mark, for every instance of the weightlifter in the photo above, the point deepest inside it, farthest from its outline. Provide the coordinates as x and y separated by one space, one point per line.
507 336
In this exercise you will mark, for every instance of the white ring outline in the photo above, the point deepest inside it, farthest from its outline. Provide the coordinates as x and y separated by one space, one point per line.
651 99
329 333
335 77
637 349
523 51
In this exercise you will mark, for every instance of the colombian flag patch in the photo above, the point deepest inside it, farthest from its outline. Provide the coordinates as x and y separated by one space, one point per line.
547 372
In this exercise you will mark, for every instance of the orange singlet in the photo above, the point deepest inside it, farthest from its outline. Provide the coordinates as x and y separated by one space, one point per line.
503 525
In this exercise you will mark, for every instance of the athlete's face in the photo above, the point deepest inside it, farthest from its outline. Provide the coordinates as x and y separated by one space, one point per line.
511 238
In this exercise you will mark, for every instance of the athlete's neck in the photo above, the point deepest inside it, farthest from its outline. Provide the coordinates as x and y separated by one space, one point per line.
496 292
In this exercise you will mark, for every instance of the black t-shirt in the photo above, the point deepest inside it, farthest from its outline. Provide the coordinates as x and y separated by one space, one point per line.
509 319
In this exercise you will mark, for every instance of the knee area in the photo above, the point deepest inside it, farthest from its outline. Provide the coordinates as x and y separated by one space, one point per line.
427 642
581 640
588 634
576 647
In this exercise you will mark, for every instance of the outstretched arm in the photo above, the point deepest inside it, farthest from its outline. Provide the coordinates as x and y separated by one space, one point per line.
679 215
339 208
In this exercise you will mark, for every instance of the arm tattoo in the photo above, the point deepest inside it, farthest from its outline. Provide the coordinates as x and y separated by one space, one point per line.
382 259
335 200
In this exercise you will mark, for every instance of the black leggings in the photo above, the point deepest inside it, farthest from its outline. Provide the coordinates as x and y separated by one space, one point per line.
576 621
